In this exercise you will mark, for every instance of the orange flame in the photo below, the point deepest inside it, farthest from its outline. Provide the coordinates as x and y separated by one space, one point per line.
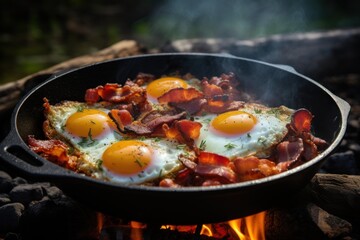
254 227
247 228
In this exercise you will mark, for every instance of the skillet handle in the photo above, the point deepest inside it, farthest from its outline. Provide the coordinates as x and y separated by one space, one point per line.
344 107
15 156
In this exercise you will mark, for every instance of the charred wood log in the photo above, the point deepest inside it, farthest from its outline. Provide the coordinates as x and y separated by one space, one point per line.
328 208
315 54
337 194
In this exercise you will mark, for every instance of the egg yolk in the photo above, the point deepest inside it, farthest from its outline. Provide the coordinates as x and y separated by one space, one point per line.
127 157
234 122
88 123
162 85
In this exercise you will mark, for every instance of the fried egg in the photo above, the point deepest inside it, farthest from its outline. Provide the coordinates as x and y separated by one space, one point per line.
107 154
252 130
139 160
159 86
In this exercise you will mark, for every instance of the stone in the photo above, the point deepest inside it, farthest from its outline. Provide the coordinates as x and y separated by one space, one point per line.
10 217
25 193
4 199
60 219
4 175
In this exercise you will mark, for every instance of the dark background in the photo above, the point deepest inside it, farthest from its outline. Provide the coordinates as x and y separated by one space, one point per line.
36 34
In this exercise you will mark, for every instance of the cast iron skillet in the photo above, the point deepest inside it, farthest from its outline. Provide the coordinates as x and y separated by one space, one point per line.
273 84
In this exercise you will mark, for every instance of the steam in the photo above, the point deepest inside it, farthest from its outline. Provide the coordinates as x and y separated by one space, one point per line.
240 19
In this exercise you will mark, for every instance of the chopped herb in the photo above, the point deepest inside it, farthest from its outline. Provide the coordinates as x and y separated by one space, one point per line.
99 163
202 145
157 139
142 138
160 173
92 122
257 110
80 108
88 141
262 140
274 111
181 146
138 162
71 150
248 135
229 146
186 154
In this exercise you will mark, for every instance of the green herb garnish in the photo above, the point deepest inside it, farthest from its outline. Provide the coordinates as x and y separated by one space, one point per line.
202 145
87 141
229 146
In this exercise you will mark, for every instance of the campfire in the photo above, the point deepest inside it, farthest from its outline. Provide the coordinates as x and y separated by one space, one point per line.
247 228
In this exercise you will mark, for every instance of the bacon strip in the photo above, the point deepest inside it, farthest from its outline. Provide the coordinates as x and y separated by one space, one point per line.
251 168
184 131
115 93
178 95
53 150
191 107
290 151
215 166
121 117
148 122
221 106
221 173
210 158
301 120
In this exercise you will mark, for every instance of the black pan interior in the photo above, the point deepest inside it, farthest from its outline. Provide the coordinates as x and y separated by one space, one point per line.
272 85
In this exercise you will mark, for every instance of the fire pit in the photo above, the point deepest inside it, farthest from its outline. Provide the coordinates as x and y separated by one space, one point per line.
39 210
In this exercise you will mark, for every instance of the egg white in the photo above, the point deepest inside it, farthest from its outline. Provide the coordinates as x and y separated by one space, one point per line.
267 132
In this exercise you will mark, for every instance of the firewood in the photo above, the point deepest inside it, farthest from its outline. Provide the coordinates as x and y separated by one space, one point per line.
315 54
337 194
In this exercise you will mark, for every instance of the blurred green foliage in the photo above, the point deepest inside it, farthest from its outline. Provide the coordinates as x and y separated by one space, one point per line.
37 34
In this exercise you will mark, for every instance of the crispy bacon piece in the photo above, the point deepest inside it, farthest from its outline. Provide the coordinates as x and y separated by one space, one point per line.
301 120
215 166
191 107
148 122
178 95
299 145
310 150
184 131
53 150
211 90
143 78
222 105
115 93
212 159
121 117
251 168
289 151
225 84
92 96
169 183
